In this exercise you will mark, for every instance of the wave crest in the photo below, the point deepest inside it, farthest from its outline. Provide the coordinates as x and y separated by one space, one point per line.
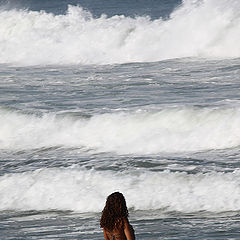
168 130
86 191
208 28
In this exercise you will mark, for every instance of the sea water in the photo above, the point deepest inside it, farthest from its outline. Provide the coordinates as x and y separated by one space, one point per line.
140 97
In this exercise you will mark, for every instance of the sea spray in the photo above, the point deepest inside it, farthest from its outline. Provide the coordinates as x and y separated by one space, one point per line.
196 29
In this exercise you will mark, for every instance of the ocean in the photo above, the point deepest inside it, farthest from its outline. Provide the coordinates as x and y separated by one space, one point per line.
136 96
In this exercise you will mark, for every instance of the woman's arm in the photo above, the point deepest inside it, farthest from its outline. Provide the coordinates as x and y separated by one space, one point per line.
128 230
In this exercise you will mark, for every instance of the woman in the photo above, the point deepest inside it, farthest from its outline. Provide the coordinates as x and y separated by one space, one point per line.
114 220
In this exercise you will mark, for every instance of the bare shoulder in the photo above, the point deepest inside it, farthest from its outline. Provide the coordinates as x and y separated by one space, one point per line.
125 220
106 235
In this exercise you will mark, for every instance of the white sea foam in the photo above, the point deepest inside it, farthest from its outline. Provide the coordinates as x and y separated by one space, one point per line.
168 130
209 28
85 190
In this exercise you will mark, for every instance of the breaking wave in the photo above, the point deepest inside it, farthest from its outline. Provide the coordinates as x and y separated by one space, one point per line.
85 190
141 132
197 28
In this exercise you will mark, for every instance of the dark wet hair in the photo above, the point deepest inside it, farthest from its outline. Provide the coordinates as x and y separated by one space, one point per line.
114 211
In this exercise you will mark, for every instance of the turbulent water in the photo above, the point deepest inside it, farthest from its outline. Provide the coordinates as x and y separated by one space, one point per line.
195 29
140 97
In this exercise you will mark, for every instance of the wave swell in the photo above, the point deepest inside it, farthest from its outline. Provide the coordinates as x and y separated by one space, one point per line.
209 28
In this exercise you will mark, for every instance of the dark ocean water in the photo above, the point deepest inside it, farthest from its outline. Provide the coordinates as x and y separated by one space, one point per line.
152 8
140 97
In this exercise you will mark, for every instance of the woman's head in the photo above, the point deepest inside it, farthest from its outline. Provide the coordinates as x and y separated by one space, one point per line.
115 209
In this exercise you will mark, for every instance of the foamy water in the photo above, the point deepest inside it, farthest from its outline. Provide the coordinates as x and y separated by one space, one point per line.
162 128
141 132
195 29
85 191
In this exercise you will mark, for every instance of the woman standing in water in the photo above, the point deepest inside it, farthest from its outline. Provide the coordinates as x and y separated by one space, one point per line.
114 220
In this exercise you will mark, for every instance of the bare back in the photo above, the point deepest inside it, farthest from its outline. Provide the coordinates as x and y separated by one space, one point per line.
122 231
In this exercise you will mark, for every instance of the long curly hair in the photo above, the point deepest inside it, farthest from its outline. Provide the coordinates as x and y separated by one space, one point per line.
114 211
